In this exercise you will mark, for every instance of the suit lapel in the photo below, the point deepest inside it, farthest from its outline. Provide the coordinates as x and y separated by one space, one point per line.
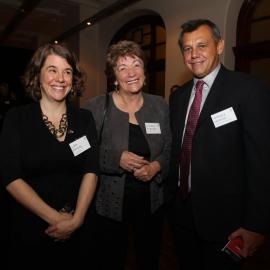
216 91
178 113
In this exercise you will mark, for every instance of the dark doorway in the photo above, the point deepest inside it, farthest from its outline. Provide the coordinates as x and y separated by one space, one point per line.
13 64
252 51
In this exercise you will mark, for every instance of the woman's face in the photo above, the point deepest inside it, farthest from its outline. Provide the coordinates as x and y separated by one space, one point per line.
129 73
55 78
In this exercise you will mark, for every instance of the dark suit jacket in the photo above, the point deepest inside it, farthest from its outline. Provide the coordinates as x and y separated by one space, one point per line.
230 164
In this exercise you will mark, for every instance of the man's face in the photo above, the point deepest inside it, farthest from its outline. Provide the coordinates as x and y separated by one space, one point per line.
201 52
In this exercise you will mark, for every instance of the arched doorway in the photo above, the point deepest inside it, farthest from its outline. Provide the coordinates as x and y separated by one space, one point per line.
149 32
252 51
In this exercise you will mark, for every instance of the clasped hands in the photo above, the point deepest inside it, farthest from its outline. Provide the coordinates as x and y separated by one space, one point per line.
63 227
142 169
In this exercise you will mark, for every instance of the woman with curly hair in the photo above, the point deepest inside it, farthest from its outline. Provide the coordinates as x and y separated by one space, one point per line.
49 162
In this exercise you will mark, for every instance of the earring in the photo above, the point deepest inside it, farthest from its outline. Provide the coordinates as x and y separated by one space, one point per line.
116 86
72 92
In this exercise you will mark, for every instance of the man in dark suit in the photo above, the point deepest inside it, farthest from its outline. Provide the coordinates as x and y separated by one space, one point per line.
223 192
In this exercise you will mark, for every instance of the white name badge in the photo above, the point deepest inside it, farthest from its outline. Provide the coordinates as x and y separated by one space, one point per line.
152 128
79 146
223 117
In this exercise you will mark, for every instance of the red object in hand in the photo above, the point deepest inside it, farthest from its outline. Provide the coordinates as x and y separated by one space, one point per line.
233 248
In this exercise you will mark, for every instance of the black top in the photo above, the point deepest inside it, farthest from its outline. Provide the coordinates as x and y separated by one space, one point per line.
29 151
139 146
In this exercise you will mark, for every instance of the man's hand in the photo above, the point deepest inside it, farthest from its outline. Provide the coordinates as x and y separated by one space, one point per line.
251 241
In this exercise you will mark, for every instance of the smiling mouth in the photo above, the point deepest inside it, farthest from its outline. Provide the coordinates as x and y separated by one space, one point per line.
58 88
132 81
196 63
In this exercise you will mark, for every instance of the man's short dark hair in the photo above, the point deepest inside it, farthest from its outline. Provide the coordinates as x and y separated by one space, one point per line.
193 25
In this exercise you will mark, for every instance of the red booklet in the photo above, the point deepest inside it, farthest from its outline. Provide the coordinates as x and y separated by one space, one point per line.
233 248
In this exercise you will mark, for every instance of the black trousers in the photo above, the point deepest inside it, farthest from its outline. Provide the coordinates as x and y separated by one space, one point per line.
138 223
192 251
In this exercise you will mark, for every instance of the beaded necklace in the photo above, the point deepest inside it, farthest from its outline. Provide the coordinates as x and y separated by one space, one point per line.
61 130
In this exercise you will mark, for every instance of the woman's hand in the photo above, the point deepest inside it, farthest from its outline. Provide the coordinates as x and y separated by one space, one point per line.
63 228
67 220
148 171
130 161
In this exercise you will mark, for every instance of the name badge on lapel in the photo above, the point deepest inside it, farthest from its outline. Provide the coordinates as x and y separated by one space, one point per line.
79 146
223 117
152 128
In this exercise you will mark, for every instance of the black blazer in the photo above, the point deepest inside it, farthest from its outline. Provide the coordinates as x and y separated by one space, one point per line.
230 164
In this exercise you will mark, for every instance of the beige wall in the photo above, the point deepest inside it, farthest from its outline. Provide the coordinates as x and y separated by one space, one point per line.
88 57
95 40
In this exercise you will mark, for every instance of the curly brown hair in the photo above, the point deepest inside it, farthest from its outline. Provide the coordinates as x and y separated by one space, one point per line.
31 78
120 49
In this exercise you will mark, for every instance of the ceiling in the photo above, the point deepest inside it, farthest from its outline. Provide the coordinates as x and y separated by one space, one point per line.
25 23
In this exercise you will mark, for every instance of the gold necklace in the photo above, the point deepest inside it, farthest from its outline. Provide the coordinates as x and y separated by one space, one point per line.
56 132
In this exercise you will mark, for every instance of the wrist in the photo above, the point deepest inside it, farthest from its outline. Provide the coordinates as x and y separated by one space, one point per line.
53 218
77 221
155 166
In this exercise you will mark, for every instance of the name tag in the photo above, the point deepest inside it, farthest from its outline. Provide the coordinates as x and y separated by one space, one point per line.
223 117
79 146
152 128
